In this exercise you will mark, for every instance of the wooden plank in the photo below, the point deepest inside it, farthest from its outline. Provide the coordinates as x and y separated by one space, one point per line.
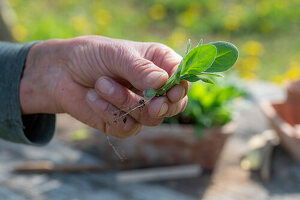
160 173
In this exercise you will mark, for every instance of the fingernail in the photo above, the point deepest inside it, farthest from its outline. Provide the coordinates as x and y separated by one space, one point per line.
182 93
163 110
92 95
105 86
154 78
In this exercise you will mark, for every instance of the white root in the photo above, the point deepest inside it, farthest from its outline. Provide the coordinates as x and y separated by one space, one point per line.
127 113
121 157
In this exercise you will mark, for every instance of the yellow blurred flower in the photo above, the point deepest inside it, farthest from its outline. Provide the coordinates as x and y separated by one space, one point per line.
178 38
294 71
189 16
103 17
186 19
263 8
250 63
253 48
79 23
19 32
292 74
231 22
239 11
278 79
248 75
157 11
294 64
247 67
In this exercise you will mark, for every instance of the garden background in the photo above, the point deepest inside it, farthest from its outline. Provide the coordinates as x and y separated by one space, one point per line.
265 31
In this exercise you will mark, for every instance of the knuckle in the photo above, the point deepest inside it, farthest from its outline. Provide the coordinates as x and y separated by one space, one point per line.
125 100
157 50
141 69
121 52
118 55
159 46
163 55
141 65
106 107
162 51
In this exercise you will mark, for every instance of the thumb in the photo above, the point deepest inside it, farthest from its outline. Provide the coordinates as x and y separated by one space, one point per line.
142 73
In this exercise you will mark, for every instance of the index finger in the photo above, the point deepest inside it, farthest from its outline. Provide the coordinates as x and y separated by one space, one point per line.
163 57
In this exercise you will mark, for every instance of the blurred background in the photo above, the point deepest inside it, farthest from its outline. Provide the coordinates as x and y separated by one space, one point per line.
250 166
266 31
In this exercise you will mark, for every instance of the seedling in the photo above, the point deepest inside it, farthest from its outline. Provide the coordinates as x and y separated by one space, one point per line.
198 64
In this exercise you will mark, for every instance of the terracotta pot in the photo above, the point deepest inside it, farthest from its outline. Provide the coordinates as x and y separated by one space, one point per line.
284 116
293 92
288 111
169 145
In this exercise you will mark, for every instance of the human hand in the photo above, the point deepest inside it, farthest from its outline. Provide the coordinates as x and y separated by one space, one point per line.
92 78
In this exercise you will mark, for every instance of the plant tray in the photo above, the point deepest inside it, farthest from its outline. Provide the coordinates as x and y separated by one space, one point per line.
169 145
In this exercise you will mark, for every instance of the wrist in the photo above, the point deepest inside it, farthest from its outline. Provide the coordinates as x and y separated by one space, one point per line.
38 79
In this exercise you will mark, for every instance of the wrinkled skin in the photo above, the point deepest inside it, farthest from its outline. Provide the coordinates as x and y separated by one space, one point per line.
92 78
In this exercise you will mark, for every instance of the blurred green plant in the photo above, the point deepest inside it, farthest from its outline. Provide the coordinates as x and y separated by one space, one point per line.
268 30
210 105
68 18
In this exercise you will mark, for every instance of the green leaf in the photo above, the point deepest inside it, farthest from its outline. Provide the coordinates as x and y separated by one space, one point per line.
207 80
211 74
199 59
200 43
188 47
190 77
149 93
227 55
195 78
178 72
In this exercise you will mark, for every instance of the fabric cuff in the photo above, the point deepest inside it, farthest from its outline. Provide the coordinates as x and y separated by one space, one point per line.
37 129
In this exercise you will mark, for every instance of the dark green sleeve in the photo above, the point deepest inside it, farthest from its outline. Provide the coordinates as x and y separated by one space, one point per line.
35 129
